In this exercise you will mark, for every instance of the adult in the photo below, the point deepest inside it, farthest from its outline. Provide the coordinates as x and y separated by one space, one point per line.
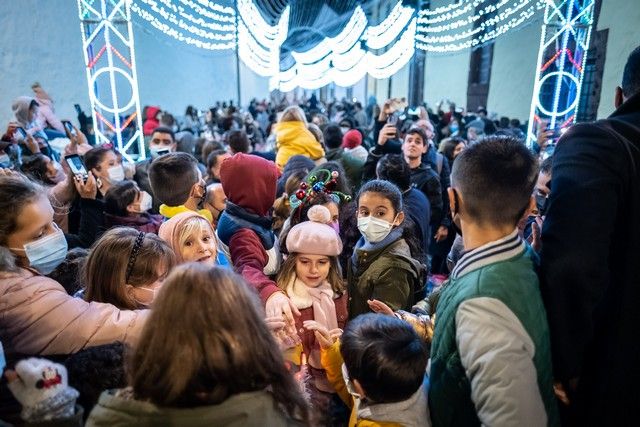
590 275
293 137
214 162
152 120
335 152
452 147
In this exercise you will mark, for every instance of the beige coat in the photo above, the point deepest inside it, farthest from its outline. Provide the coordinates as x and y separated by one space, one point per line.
37 316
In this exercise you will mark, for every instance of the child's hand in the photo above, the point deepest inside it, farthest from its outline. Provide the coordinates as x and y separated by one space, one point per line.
380 307
277 326
326 338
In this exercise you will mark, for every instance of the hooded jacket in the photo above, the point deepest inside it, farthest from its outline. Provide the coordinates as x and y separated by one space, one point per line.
252 409
39 317
249 183
47 117
294 138
20 108
151 123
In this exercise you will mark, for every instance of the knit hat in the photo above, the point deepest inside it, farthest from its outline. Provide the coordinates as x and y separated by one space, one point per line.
170 230
352 139
477 124
42 389
315 236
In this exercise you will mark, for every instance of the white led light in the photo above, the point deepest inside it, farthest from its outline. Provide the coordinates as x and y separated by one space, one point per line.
388 30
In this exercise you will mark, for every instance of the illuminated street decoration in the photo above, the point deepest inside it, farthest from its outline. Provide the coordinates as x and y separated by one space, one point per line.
563 51
107 43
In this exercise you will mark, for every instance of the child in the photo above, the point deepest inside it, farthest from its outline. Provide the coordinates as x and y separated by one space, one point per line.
126 206
205 357
177 182
312 279
192 238
490 356
382 266
126 268
244 229
382 377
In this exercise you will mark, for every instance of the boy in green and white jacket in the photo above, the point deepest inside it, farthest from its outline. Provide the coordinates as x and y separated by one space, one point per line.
490 357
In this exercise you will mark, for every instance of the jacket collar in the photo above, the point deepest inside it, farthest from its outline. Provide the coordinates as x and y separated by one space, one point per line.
492 252
632 105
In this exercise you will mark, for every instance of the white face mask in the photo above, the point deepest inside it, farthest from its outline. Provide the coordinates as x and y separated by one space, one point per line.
145 201
46 253
116 174
374 229
344 129
348 383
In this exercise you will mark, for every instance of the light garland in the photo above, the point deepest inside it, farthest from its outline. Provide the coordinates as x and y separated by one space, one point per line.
488 30
381 35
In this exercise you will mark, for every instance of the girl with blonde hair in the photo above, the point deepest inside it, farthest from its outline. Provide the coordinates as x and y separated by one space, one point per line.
206 357
191 237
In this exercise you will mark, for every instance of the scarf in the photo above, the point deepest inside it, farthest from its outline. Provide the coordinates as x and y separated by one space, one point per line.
363 245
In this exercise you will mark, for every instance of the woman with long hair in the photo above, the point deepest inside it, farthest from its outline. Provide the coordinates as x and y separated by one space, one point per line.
206 357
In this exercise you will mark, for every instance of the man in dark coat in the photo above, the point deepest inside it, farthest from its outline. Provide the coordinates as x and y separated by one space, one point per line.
590 272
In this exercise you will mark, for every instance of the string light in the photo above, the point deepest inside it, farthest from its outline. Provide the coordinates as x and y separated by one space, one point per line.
381 35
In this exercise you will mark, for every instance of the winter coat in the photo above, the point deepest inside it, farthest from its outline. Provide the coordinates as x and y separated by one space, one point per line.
352 166
249 242
151 123
39 317
413 412
46 116
294 138
253 409
590 275
387 273
145 222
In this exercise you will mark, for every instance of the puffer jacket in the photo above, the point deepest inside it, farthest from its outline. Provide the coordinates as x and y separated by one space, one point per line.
294 138
37 316
245 409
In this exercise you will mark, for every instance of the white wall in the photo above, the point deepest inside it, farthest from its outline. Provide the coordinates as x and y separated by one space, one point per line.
40 41
513 72
446 76
622 18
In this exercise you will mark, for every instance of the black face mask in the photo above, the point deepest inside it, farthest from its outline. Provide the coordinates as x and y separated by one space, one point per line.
541 204
455 223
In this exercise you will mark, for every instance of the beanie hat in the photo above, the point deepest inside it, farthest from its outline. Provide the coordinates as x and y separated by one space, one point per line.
352 139
42 389
477 124
315 236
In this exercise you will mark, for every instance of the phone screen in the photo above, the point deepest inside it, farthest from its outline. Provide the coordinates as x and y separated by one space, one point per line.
393 119
162 152
69 128
76 165
22 134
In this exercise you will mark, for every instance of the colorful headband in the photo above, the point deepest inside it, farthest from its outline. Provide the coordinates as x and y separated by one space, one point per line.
308 190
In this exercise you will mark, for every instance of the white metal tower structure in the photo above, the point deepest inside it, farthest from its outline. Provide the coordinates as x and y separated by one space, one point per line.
561 58
107 42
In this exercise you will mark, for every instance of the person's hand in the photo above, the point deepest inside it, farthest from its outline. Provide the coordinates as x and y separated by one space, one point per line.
441 234
326 338
32 144
387 132
11 129
278 326
544 136
536 241
278 304
87 190
379 307
561 393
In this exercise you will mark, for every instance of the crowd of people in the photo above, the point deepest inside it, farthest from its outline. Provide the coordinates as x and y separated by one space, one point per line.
320 264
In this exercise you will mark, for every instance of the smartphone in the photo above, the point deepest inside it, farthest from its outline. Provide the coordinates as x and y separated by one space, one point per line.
393 119
163 152
22 134
69 127
77 107
77 166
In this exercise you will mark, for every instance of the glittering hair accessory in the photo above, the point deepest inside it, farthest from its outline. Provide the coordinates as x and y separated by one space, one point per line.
314 185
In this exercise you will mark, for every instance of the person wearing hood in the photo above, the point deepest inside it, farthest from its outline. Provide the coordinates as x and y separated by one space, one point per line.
25 111
152 121
293 137
244 229
47 118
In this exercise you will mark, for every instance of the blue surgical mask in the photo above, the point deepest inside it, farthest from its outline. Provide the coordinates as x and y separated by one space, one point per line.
454 128
46 253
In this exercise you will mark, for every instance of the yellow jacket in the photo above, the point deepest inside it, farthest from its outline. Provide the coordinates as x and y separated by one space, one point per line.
294 138
331 360
171 211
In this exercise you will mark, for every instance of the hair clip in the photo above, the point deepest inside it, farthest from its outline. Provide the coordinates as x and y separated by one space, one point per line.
314 185
134 254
